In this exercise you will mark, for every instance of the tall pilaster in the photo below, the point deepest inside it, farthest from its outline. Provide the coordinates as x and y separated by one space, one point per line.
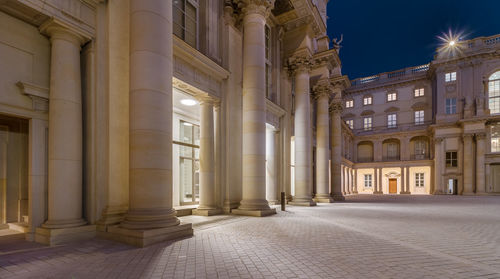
468 165
438 166
407 183
402 181
271 167
336 149
322 91
302 120
254 109
150 217
208 204
375 181
354 181
480 175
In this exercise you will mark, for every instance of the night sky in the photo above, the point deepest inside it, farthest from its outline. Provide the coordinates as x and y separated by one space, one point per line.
386 35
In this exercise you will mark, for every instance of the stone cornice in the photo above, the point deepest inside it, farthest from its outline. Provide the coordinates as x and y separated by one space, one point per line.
39 95
327 58
55 28
340 82
274 108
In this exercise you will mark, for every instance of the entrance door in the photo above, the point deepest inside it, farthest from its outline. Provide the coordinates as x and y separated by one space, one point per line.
452 186
393 186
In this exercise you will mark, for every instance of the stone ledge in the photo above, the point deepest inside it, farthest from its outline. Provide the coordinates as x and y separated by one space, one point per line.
142 238
59 236
255 213
323 200
207 212
302 203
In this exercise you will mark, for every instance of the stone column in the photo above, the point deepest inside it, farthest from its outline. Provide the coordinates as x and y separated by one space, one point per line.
402 181
375 181
342 179
302 121
438 166
336 149
207 205
468 165
322 92
407 177
150 217
348 180
65 132
271 167
480 175
355 181
254 110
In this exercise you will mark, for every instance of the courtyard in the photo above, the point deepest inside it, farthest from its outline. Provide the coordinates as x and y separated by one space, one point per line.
367 236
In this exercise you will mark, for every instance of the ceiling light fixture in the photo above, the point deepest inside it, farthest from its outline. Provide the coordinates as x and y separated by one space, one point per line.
188 102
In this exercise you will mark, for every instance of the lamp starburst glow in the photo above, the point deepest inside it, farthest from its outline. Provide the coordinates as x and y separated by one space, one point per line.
450 45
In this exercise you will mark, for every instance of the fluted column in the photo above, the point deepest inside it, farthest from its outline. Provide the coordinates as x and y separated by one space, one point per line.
468 165
322 92
254 109
65 129
271 167
480 175
150 199
438 166
207 205
302 121
336 149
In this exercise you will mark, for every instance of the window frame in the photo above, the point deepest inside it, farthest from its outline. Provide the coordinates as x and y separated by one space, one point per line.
419 179
196 7
391 97
450 76
367 125
419 119
421 92
368 180
495 136
494 101
392 123
451 105
367 100
451 161
349 103
350 123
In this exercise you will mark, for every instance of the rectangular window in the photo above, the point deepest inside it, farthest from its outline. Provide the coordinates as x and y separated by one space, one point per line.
392 97
419 117
452 76
368 180
494 96
367 101
350 123
420 147
451 159
185 21
269 68
495 138
419 179
451 105
419 92
367 123
391 121
349 103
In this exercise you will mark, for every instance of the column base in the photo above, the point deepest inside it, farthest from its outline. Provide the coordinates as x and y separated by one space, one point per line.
305 201
323 198
230 205
53 237
255 213
273 202
111 216
207 211
378 192
482 194
438 192
338 197
142 238
404 193
354 192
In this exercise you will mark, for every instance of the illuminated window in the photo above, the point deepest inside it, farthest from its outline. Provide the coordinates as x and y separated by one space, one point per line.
452 76
392 97
367 100
349 103
391 121
495 138
350 123
368 180
367 123
419 179
185 20
419 117
451 159
494 93
451 105
419 92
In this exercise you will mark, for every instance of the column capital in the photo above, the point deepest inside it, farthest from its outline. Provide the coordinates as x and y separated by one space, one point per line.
480 136
299 63
467 137
322 88
438 140
206 99
336 106
260 7
58 30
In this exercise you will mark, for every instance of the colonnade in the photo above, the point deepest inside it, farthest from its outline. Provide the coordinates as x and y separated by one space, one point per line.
348 180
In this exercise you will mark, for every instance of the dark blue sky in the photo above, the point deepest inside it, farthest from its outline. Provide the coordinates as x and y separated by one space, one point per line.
386 35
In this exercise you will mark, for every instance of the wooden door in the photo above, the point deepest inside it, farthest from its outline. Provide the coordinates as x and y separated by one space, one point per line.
393 186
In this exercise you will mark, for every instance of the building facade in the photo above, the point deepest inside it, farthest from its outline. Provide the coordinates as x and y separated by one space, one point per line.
118 116
430 129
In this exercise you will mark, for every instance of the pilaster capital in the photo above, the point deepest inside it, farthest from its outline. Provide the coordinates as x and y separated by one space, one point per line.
336 106
260 7
480 136
207 100
467 137
438 140
58 30
322 88
297 64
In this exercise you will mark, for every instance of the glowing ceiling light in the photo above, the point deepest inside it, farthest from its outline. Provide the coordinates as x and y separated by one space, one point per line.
187 124
188 102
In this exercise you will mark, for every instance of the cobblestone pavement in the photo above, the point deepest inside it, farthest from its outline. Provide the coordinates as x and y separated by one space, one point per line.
364 237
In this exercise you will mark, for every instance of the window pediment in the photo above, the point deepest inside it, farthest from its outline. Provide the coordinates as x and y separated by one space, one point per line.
391 109
367 112
419 106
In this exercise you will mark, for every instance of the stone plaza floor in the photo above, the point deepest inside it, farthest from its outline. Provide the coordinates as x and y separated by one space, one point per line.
363 237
